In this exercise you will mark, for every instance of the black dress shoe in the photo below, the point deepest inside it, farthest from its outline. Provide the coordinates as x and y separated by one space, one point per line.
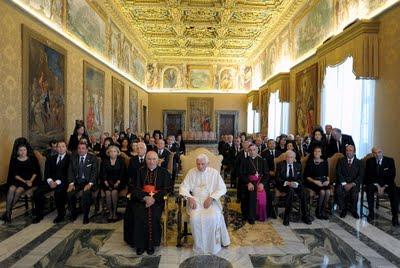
58 219
251 221
139 251
395 221
85 220
286 222
343 214
370 217
37 219
355 215
73 217
150 251
307 220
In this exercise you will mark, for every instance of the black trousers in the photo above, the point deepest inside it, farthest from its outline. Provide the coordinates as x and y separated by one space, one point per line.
390 190
290 194
86 199
347 199
60 196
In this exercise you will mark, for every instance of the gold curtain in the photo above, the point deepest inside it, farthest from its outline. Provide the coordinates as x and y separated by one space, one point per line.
359 41
280 82
253 97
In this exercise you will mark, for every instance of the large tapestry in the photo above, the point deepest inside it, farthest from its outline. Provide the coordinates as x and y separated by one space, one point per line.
117 105
200 114
314 27
306 100
84 22
93 99
44 69
133 109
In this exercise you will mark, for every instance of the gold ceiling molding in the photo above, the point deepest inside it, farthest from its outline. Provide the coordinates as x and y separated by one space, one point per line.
218 31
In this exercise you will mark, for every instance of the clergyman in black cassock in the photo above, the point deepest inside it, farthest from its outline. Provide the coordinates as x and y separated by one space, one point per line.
253 165
151 185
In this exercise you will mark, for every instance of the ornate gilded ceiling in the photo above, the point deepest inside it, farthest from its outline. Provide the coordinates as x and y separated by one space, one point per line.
201 30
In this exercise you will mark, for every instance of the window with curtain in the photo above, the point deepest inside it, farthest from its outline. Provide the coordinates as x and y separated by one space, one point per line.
348 103
253 119
278 116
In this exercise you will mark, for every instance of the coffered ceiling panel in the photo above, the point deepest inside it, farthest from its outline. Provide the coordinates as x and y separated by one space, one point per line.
215 30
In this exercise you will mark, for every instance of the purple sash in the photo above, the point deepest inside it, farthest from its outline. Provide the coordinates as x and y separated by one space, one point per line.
261 208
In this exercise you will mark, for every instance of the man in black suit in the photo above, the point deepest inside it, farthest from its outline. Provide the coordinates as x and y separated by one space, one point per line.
82 176
349 174
260 144
233 155
269 154
328 134
135 163
221 144
56 172
380 175
290 180
151 146
173 147
94 146
163 154
240 158
131 137
339 142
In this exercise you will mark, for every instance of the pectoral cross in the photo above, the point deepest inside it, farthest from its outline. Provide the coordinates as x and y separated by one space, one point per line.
152 193
257 173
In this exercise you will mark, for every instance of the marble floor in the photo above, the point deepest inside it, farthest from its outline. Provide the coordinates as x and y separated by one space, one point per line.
335 243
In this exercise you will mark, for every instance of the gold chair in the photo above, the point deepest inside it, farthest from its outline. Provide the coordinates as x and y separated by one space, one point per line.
188 162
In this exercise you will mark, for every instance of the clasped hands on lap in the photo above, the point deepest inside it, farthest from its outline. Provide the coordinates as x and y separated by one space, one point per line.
250 187
87 187
207 203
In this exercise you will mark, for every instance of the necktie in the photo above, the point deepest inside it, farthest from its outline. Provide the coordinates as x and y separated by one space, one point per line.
338 146
81 168
349 163
379 166
290 172
59 160
159 152
140 160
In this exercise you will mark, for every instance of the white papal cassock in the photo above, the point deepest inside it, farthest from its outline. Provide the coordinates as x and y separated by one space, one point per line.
207 225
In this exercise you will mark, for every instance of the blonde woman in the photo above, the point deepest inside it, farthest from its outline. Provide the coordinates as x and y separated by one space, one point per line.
113 179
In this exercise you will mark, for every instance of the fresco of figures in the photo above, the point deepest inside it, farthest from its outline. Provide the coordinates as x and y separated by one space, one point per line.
228 79
52 10
44 87
170 77
93 99
85 23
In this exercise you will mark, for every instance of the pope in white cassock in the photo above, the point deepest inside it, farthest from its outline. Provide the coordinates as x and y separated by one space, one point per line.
203 186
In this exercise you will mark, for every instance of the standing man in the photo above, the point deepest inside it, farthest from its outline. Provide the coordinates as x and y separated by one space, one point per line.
150 187
163 154
82 177
379 177
56 174
339 142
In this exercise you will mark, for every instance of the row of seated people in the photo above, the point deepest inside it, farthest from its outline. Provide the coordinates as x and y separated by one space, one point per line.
72 176
257 173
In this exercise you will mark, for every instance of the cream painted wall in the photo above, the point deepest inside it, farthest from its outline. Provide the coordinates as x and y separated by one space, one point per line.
162 101
387 96
11 21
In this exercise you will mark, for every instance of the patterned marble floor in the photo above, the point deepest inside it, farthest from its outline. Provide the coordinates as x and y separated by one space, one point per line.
335 243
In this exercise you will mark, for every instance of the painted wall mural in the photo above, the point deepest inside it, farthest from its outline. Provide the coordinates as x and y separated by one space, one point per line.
228 79
170 78
85 23
133 109
247 83
44 66
314 27
200 114
200 77
117 105
115 43
52 10
93 99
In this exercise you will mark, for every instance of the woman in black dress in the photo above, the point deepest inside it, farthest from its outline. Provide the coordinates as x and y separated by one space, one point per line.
79 133
125 146
103 151
23 174
113 179
316 174
317 140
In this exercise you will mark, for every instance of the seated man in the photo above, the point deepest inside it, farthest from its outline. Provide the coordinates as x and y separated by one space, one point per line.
203 186
149 188
82 176
55 174
348 173
380 175
289 180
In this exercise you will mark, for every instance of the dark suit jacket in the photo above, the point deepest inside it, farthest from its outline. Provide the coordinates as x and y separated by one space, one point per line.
247 169
133 169
388 171
269 157
165 157
90 171
281 172
151 148
221 145
57 172
346 140
227 154
162 185
347 174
